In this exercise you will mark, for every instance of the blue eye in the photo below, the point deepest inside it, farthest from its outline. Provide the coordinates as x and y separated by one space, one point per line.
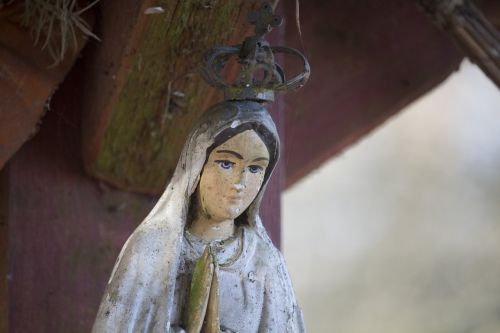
225 164
255 168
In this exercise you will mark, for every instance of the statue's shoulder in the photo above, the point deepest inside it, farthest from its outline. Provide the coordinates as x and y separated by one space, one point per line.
149 238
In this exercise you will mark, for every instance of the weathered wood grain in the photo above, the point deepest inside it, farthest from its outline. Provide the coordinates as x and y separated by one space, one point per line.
143 92
472 30
4 250
490 9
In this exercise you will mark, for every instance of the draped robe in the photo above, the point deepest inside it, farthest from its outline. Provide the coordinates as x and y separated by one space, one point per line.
146 290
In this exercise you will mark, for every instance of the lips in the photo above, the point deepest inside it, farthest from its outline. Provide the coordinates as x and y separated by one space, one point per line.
234 198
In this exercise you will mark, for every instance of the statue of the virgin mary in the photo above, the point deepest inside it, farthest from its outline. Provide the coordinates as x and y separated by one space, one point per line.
201 261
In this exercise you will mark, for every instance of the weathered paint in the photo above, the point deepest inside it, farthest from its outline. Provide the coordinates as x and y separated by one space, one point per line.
200 290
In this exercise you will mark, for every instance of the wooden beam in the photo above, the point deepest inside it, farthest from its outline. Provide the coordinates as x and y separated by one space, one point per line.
4 249
368 61
472 30
28 79
143 92
490 9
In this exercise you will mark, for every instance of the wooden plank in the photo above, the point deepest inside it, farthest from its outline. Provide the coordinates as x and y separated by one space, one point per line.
491 9
65 230
368 61
4 246
27 79
143 92
472 30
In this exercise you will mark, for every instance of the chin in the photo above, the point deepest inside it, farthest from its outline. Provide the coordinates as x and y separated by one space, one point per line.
234 212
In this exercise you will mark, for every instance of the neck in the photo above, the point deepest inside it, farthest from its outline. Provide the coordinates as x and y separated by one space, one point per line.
210 229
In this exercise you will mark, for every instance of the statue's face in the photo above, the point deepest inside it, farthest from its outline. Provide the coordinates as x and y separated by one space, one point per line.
233 175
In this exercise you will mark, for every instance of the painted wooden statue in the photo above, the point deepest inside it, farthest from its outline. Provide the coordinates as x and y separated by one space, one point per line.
201 261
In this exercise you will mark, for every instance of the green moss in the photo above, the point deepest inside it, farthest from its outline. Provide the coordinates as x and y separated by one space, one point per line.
144 138
200 287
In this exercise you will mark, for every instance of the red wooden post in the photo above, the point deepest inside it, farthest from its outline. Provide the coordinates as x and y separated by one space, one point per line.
65 231
271 204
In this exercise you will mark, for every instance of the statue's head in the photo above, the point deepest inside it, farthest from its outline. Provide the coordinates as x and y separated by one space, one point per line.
237 163
235 170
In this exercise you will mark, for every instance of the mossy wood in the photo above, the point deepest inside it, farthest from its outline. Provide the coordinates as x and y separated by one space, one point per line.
145 97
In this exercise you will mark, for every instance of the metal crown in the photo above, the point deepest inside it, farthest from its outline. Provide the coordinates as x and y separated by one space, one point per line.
259 76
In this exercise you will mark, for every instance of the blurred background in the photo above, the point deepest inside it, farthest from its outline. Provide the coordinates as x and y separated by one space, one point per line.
401 232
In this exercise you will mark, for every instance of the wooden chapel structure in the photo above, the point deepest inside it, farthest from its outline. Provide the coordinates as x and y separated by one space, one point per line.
87 144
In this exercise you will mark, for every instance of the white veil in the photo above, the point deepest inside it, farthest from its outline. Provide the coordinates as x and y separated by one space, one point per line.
139 294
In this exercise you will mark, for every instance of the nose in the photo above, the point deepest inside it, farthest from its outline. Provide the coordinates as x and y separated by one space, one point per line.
239 187
241 181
